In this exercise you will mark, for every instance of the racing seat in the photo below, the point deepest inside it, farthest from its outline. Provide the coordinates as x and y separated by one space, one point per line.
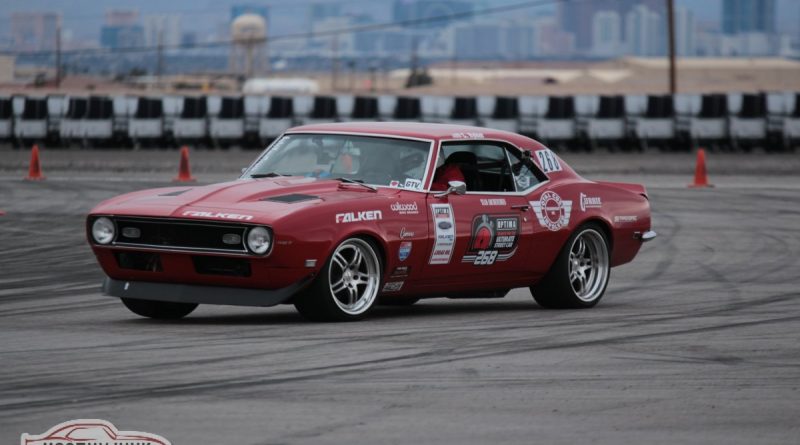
467 161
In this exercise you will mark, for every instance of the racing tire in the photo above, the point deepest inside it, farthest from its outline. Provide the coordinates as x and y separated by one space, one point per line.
579 276
348 284
159 310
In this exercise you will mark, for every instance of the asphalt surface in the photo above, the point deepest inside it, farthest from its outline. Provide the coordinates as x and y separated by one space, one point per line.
696 341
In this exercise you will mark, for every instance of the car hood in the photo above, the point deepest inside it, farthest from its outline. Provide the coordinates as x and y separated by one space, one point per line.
245 200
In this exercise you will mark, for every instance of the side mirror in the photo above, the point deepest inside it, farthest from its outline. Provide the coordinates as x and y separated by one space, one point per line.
457 187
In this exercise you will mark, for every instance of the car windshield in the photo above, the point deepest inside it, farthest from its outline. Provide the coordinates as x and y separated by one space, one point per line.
372 160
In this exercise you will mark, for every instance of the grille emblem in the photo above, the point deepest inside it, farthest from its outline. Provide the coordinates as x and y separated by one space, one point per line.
231 238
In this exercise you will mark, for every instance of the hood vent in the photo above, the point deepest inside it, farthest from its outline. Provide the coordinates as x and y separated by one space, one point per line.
296 197
175 193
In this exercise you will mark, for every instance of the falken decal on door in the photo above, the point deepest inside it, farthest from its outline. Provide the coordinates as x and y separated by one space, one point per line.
494 238
444 226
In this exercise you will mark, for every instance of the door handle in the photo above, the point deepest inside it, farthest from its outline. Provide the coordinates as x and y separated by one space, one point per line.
521 207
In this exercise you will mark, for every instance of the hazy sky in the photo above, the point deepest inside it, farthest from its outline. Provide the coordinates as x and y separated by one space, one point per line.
84 17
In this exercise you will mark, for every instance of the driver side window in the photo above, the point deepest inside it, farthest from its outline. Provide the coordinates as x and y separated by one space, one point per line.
488 166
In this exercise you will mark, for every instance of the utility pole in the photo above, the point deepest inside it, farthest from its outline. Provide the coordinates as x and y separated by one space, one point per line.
58 56
671 27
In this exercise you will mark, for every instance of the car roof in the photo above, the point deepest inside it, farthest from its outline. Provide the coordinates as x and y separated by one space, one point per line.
421 130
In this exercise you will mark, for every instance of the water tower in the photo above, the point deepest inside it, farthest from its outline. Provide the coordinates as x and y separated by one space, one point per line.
249 45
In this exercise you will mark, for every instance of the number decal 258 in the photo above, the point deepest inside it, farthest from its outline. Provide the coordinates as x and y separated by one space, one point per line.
485 258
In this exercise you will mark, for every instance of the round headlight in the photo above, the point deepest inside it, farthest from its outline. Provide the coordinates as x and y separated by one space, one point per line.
259 240
103 230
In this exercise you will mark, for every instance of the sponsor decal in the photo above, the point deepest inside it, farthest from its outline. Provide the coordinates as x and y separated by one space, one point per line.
91 431
494 238
232 216
626 219
393 286
468 135
523 182
548 161
366 215
590 202
400 272
445 234
394 183
413 184
405 208
493 202
404 251
404 233
551 211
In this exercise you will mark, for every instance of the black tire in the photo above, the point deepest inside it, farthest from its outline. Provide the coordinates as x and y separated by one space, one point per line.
160 310
557 290
319 302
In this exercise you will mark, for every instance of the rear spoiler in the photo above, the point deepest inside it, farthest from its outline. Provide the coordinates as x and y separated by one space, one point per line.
639 189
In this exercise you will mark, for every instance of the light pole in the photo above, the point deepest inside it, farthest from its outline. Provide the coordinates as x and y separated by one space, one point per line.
671 31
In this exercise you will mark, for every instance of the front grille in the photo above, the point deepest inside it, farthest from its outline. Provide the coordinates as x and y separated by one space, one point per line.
180 235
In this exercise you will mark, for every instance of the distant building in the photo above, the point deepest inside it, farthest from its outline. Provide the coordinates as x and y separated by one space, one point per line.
551 40
322 11
685 28
577 17
607 34
122 30
34 31
748 16
645 32
410 10
162 28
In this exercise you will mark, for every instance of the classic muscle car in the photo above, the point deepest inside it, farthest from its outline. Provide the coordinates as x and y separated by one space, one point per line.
336 218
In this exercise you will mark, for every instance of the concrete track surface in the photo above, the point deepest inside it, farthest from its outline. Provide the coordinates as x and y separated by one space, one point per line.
694 342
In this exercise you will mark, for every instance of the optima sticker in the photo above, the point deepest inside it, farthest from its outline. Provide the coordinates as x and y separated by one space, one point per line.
494 238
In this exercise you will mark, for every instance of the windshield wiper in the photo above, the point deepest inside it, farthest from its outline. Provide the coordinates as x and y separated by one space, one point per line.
358 182
266 175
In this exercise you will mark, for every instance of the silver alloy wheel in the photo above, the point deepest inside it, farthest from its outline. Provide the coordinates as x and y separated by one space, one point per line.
588 265
353 276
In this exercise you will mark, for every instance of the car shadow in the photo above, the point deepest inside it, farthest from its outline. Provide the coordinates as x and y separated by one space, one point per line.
285 315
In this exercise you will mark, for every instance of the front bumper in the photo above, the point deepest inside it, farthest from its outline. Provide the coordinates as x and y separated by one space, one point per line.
187 293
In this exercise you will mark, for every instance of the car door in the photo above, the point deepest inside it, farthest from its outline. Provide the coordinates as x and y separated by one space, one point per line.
484 234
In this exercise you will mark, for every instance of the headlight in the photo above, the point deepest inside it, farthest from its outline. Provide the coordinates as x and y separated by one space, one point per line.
259 240
103 230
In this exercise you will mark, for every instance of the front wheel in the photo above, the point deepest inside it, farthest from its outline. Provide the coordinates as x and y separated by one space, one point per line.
347 286
161 310
579 276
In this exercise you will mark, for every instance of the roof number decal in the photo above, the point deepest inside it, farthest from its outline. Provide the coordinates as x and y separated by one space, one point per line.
548 161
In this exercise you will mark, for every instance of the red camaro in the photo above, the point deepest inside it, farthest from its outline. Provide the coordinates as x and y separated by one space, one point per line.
335 218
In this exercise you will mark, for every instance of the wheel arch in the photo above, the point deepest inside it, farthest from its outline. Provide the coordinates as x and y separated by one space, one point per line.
604 225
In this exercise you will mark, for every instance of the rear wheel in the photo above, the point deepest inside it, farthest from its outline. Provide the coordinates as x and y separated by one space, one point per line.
161 310
579 276
347 287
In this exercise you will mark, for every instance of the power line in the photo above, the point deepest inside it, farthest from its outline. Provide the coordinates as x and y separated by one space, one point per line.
306 35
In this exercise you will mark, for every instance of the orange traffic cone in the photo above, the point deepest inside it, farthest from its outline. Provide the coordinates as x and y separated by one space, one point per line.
35 170
184 173
700 175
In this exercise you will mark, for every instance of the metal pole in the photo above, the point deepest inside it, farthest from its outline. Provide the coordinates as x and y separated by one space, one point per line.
671 28
335 63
